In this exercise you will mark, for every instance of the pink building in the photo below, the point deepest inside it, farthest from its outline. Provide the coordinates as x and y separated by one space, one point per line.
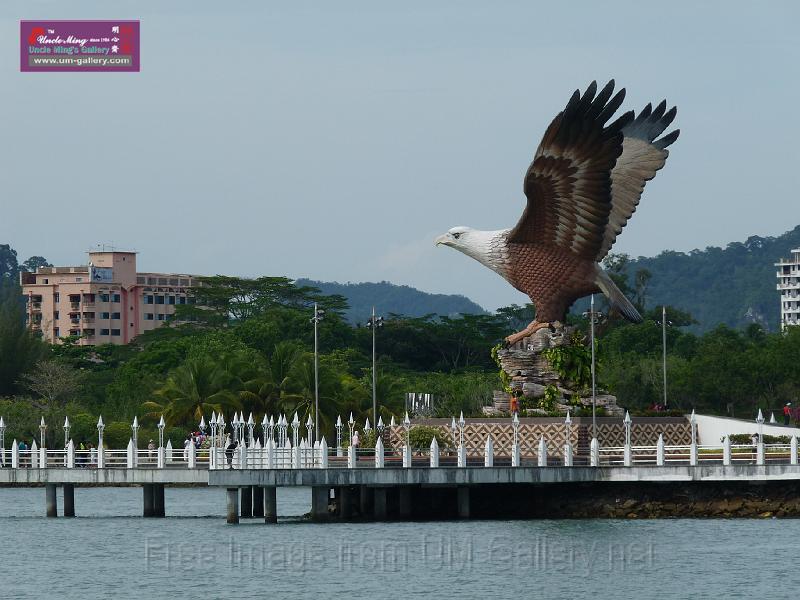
104 302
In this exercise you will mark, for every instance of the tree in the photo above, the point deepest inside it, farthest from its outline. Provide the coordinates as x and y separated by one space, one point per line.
19 348
192 390
33 263
54 381
9 267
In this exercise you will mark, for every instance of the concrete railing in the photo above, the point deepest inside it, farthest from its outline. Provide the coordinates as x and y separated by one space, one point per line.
319 456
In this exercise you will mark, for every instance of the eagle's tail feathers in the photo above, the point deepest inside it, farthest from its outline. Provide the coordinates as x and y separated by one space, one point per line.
617 299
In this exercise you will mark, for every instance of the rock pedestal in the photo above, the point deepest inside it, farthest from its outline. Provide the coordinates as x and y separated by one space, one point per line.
531 373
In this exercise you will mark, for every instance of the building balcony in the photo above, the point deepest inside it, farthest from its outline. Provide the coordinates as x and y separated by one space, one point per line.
36 306
788 286
75 305
88 319
75 321
88 304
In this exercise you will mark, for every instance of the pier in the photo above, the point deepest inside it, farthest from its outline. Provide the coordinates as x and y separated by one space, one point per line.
459 482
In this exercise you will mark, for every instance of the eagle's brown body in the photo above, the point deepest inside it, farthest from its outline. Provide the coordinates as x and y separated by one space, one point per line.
552 278
583 186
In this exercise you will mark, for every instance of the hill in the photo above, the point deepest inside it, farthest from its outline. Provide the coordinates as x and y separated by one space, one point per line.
390 298
734 285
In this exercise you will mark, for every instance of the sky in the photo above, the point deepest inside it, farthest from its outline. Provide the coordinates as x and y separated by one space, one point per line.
336 140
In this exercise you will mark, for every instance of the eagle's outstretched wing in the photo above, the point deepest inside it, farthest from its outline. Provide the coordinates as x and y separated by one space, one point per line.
642 156
568 184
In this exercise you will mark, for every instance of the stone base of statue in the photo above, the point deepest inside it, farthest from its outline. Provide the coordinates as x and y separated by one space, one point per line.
532 374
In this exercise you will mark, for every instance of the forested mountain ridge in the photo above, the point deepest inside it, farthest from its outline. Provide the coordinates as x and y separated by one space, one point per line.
390 298
734 285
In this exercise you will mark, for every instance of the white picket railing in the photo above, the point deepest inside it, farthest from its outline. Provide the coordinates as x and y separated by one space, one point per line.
320 456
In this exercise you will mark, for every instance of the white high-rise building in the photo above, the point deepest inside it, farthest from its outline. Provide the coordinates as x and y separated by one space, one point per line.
789 287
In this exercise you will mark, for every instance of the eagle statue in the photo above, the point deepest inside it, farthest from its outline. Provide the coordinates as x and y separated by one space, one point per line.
583 185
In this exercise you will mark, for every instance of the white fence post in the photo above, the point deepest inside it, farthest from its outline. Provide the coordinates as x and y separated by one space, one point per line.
462 455
594 453
70 455
567 455
726 451
323 452
270 454
627 455
434 453
169 456
161 457
15 455
793 450
101 457
351 457
515 455
379 450
760 453
693 454
43 457
542 458
488 459
131 455
660 450
407 456
192 456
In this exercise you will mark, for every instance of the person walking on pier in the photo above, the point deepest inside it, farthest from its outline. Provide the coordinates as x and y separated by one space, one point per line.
230 448
787 413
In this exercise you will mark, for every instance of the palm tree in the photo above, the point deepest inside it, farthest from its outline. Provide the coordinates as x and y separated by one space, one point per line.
196 388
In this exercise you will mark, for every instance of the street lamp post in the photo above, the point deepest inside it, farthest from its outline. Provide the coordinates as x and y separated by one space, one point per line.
66 432
593 317
664 324
339 435
373 323
161 425
318 316
350 424
100 427
251 424
42 431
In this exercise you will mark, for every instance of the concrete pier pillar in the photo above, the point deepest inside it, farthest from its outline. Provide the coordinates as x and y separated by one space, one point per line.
258 501
319 503
147 500
345 499
233 506
379 504
404 504
463 502
364 500
270 505
69 500
50 500
247 502
158 500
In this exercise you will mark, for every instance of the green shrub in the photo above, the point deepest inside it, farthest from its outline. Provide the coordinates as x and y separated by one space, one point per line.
421 436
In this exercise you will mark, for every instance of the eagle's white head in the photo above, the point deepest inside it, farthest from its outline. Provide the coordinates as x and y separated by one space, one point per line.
487 247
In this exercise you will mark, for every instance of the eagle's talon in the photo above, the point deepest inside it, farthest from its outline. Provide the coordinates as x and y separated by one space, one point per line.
527 332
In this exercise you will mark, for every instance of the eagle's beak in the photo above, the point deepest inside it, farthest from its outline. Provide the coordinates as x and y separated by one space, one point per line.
442 239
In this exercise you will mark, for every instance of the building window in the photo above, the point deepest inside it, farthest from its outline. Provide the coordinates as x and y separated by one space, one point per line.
105 315
78 279
115 315
56 297
55 315
104 332
104 297
115 297
181 299
45 281
115 332
57 332
161 317
170 299
148 316
148 299
159 299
